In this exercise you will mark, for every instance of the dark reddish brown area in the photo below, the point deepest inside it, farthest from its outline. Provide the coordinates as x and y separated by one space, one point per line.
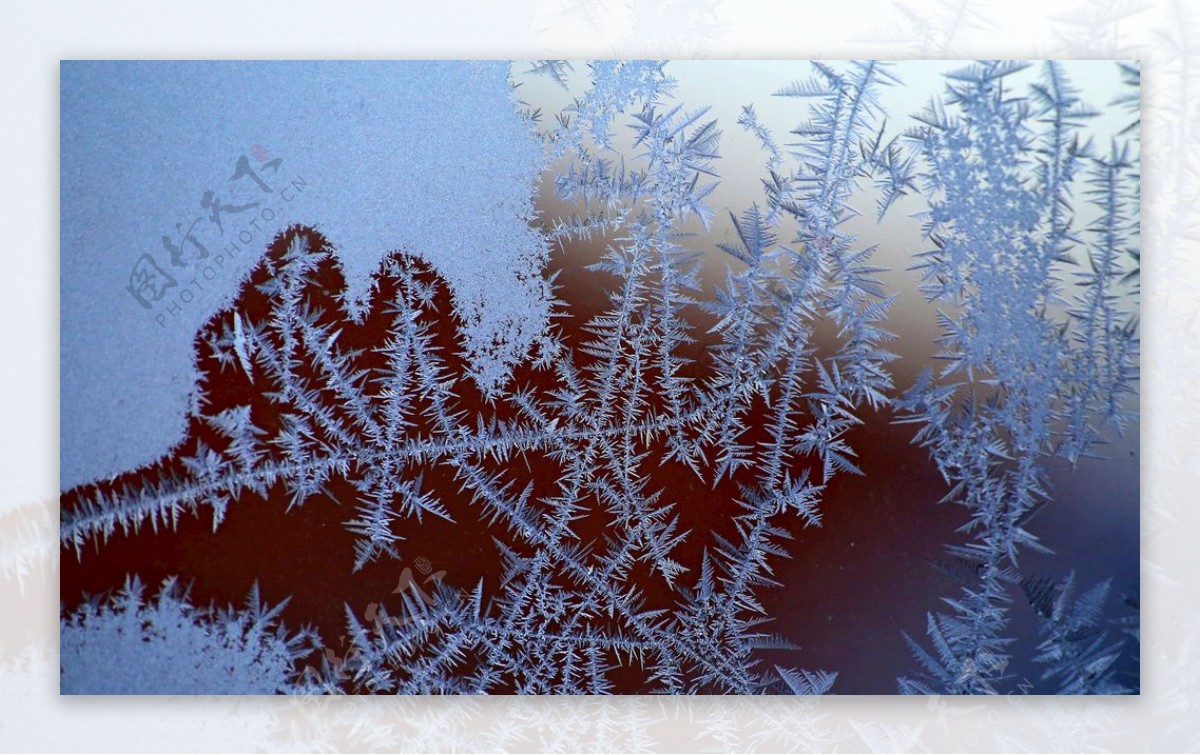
849 588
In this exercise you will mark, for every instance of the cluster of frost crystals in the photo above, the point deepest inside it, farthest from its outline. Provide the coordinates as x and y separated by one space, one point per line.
1035 235
167 646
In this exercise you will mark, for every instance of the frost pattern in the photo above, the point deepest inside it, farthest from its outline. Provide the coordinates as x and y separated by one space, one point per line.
369 139
1035 368
1043 367
167 646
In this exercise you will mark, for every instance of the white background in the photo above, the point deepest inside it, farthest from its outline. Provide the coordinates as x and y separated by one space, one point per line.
35 35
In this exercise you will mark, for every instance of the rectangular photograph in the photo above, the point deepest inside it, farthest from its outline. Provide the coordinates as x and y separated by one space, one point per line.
612 377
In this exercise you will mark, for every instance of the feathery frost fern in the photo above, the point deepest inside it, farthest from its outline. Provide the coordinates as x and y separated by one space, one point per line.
1034 366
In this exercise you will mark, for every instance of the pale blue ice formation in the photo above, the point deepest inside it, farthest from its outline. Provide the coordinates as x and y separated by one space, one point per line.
428 157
